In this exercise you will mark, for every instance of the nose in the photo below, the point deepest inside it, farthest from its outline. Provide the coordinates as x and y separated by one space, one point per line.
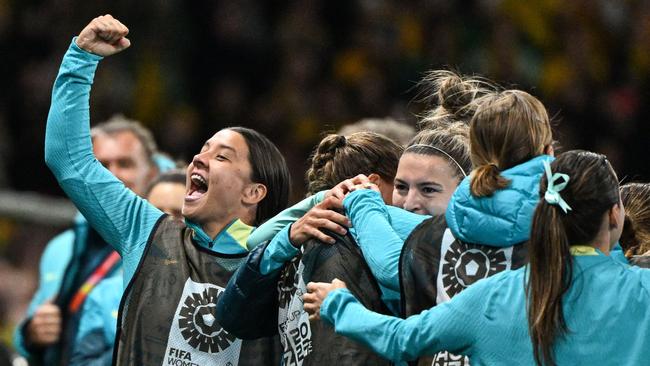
200 160
412 203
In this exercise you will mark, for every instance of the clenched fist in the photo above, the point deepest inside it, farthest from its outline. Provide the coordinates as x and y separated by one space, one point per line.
104 36
45 326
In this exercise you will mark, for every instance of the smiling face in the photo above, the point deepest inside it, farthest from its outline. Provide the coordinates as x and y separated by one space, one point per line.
216 180
424 184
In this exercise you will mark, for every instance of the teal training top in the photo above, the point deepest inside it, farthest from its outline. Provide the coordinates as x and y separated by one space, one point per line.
122 218
606 310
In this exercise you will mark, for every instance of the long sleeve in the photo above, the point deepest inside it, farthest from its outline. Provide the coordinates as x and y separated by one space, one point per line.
287 217
278 252
122 218
373 229
450 326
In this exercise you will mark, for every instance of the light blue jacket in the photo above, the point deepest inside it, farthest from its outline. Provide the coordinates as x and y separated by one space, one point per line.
502 219
53 265
54 261
606 310
93 345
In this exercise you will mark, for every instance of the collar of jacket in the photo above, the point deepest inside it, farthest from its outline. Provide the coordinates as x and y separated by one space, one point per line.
231 240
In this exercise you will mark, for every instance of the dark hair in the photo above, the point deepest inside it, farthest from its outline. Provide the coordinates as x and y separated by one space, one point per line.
508 128
635 238
338 158
171 176
453 95
591 191
269 168
450 142
119 124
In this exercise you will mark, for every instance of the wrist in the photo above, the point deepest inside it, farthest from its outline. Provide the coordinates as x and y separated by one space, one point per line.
292 239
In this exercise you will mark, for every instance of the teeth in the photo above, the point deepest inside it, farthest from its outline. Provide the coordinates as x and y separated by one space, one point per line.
199 180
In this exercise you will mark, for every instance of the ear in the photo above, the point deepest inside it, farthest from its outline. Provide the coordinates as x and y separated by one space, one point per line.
615 216
153 173
253 193
548 150
375 179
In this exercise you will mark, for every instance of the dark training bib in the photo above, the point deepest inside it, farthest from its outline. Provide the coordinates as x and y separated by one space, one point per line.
168 312
435 266
315 343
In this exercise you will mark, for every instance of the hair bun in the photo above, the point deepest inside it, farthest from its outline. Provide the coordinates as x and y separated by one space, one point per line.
452 96
330 143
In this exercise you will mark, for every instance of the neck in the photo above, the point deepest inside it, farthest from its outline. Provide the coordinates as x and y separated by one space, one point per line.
213 228
602 241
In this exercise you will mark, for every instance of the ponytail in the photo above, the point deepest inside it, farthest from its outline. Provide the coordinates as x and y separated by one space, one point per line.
550 279
568 213
508 129
486 179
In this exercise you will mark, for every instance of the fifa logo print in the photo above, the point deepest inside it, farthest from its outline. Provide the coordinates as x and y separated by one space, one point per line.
196 337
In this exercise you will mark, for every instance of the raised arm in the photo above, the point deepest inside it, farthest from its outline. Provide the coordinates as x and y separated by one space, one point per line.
123 219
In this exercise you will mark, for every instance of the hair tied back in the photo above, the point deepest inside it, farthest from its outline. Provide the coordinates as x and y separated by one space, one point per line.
553 189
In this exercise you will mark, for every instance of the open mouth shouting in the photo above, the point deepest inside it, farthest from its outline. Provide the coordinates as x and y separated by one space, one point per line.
198 187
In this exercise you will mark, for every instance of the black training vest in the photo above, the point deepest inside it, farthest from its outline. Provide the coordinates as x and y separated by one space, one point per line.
315 343
434 267
167 312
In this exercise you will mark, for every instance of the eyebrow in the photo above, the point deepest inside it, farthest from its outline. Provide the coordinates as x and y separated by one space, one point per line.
222 146
420 184
437 185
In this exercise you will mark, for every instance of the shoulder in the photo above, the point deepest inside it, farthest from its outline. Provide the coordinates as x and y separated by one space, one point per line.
58 252
636 276
62 241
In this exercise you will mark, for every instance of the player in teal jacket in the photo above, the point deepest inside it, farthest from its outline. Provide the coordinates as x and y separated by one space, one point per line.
226 191
556 310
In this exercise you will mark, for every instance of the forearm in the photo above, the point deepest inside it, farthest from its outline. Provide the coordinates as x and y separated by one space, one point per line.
274 225
379 242
388 336
278 252
451 326
403 222
123 219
